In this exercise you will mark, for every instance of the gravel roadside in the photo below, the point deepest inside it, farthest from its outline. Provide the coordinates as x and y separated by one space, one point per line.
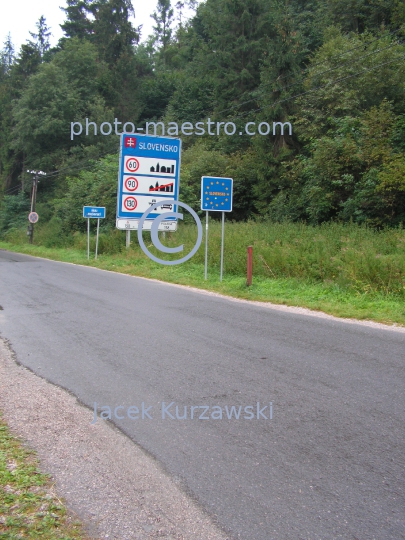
111 484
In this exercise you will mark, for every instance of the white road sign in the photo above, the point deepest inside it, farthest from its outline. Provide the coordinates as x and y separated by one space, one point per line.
132 224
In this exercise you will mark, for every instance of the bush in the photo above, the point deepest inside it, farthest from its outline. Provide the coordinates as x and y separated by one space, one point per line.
14 210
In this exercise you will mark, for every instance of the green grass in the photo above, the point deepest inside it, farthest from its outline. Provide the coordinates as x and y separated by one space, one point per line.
28 506
344 270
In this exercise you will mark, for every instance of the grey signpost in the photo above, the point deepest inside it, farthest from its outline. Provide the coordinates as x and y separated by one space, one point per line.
216 196
206 247
222 246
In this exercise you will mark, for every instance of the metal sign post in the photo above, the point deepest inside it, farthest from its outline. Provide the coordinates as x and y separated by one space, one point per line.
98 229
128 239
88 238
216 196
206 246
222 245
93 212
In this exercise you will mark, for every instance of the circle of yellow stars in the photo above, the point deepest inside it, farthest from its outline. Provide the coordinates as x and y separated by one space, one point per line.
208 186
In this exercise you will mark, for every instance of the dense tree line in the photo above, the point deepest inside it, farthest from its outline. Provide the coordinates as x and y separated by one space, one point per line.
333 69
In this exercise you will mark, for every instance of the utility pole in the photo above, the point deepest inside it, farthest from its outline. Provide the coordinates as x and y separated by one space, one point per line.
35 181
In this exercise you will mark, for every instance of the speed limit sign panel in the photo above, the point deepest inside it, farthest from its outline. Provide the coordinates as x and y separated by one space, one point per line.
130 183
131 165
148 172
134 204
129 203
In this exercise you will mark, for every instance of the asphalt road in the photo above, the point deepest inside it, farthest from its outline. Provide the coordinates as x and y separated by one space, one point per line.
328 465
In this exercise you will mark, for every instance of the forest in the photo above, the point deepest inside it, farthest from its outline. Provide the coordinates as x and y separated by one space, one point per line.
333 69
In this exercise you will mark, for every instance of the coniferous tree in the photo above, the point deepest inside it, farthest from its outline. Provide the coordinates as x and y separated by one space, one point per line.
42 36
26 64
77 22
180 7
7 55
163 17
114 34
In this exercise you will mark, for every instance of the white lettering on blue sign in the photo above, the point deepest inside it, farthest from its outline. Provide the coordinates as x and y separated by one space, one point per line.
158 147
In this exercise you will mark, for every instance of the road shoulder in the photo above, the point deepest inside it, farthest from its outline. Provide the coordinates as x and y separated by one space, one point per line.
110 483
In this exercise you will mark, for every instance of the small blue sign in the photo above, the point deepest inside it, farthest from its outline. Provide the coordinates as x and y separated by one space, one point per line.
94 212
216 194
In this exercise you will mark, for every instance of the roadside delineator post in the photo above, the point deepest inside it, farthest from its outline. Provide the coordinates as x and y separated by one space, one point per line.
249 266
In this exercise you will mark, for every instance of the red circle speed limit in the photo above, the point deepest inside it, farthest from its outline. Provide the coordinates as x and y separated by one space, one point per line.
131 183
130 203
132 164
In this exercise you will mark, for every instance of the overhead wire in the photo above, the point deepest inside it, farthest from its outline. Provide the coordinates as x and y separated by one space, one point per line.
78 164
12 189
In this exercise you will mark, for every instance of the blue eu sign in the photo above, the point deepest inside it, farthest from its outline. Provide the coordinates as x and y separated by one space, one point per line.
216 194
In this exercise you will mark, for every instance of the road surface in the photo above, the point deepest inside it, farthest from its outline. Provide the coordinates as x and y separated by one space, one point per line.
330 462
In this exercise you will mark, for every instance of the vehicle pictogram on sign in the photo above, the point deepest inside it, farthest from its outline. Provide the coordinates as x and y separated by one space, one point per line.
130 203
131 164
163 206
131 183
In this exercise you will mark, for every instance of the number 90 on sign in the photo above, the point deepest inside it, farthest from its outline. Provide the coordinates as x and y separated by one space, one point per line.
131 183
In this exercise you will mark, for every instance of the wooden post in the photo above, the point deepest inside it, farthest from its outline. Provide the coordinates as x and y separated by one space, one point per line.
249 266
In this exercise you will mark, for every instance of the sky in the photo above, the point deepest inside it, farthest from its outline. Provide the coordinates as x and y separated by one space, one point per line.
20 16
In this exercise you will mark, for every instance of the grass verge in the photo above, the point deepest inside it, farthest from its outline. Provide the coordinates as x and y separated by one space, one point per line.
28 506
327 296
